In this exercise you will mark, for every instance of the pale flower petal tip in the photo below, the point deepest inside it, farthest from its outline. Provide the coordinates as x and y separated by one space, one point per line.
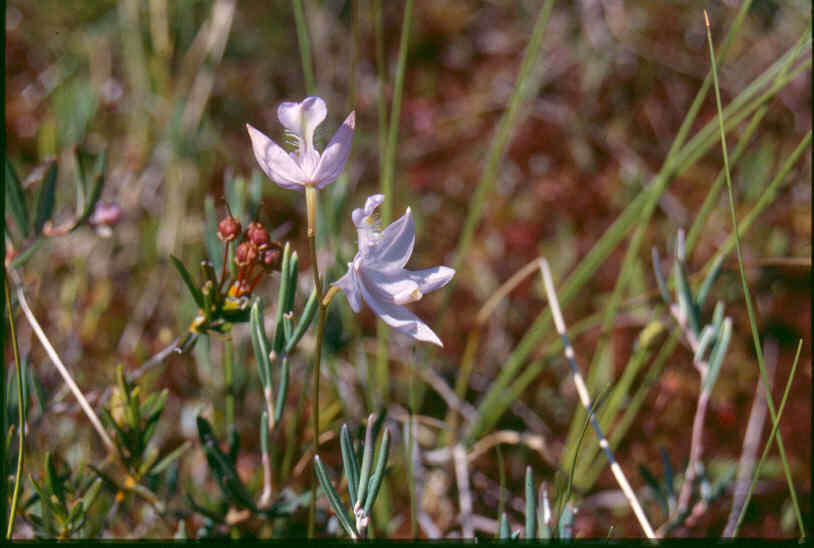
306 166
377 274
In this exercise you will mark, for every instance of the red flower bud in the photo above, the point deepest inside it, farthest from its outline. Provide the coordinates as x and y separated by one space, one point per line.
245 254
258 235
229 229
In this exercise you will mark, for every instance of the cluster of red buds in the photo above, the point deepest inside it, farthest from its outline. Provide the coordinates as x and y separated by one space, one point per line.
256 250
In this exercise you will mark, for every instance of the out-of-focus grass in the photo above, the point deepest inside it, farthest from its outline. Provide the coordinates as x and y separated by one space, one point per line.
167 87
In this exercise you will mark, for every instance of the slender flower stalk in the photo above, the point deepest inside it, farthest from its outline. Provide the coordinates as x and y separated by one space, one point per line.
309 170
311 208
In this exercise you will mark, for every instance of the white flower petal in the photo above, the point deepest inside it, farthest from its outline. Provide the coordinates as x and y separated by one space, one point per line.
349 286
400 318
303 118
395 243
275 161
391 286
333 158
431 279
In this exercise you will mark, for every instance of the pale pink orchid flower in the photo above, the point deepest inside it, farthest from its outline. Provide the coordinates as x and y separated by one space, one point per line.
377 274
305 166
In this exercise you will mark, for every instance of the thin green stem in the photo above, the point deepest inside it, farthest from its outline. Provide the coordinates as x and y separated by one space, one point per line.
305 45
311 208
18 476
746 294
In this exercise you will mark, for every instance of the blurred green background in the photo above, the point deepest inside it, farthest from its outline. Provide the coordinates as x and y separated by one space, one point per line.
166 87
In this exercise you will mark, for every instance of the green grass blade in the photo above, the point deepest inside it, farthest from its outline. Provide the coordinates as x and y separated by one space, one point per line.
745 286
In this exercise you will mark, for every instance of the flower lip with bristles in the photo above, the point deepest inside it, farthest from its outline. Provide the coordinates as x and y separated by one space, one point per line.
305 166
377 274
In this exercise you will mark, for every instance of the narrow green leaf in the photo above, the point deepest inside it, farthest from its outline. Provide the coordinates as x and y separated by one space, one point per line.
98 179
567 522
283 390
233 439
285 281
686 302
378 474
308 313
185 276
164 463
333 498
543 514
45 199
504 533
709 280
91 494
717 356
349 461
260 344
222 467
706 338
15 200
531 505
293 277
20 259
718 316
367 461
53 481
264 433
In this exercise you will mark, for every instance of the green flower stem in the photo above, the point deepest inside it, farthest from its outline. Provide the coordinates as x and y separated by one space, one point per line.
18 476
311 208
